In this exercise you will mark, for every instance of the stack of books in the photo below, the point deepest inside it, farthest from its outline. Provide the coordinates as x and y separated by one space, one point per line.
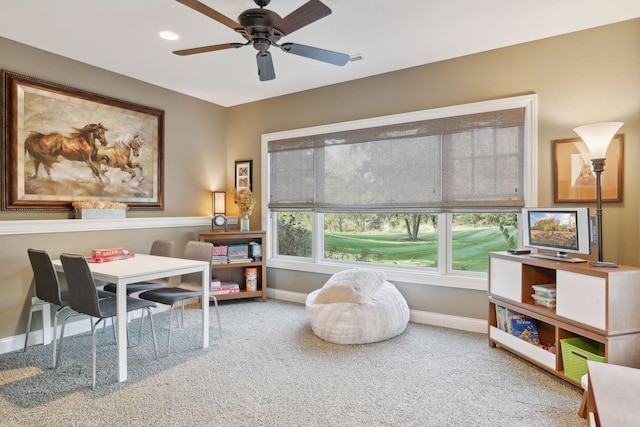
545 295
219 254
109 254
224 288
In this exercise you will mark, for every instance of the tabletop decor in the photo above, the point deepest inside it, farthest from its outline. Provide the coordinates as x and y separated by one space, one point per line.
245 201
99 209
62 144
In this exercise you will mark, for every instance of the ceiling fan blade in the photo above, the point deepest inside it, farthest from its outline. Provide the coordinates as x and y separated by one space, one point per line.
211 48
316 53
265 66
306 14
213 14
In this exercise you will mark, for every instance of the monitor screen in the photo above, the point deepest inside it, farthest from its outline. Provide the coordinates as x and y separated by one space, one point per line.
557 229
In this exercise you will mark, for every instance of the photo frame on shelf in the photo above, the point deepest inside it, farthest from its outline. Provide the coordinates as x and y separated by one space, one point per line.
573 176
244 174
62 144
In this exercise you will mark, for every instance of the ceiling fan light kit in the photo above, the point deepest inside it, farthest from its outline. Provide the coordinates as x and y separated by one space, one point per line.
263 28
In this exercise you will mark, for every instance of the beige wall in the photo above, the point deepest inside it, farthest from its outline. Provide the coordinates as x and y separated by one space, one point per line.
195 164
580 78
195 150
202 141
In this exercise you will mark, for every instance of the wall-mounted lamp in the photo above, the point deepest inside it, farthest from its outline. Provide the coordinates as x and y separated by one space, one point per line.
597 138
219 209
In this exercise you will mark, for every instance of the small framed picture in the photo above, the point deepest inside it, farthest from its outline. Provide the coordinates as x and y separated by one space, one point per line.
244 174
574 179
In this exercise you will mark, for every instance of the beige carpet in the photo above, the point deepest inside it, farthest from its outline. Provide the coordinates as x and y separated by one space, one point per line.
269 369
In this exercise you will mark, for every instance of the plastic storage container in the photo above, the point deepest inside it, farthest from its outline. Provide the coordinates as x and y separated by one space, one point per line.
575 353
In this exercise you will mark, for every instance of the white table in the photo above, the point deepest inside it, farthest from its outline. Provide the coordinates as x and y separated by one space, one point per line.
141 268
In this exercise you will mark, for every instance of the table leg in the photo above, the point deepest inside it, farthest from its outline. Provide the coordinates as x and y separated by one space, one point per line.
121 293
206 283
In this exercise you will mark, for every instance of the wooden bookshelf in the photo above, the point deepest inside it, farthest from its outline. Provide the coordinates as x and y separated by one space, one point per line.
235 272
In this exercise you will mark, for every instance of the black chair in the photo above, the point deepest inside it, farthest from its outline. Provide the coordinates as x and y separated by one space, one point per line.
190 285
160 248
83 298
48 291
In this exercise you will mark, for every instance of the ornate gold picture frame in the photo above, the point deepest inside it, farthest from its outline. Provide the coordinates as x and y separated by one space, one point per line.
62 145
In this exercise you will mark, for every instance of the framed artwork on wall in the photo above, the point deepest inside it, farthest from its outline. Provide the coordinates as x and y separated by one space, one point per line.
244 174
62 145
574 179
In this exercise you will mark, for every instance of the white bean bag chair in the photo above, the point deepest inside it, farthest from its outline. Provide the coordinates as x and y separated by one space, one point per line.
357 306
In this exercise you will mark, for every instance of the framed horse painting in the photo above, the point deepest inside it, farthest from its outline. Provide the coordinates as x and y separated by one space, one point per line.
62 145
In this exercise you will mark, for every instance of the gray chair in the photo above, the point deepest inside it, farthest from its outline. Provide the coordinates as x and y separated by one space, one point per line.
48 291
83 298
160 248
190 285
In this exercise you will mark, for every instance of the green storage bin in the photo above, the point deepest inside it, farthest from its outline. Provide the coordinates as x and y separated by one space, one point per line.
575 353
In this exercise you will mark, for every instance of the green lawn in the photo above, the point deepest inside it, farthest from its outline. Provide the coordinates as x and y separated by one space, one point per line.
470 247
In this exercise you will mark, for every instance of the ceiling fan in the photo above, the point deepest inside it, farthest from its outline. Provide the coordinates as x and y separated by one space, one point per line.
263 28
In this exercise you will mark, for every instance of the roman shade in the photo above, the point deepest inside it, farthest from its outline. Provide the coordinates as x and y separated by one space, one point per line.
447 164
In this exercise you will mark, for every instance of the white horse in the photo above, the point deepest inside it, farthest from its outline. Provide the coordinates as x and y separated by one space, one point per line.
122 153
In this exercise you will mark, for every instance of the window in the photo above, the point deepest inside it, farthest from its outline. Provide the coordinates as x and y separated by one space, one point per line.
429 192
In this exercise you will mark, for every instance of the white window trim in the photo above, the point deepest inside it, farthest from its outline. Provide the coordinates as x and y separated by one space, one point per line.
440 276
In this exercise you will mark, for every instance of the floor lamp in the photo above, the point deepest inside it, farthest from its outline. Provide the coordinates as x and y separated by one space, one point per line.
597 138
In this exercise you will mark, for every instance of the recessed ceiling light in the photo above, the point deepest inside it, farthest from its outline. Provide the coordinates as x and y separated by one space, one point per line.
169 35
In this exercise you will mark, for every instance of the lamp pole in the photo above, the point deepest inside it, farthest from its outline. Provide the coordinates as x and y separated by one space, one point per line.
597 138
598 168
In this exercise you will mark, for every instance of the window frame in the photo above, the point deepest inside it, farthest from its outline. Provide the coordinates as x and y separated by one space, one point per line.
443 275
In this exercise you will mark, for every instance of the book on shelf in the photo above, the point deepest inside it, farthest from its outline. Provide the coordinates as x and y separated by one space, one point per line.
104 252
224 288
503 319
220 250
239 260
224 285
224 291
219 259
525 328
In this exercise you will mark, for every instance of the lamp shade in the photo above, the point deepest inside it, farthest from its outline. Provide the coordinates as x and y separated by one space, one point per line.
598 136
219 203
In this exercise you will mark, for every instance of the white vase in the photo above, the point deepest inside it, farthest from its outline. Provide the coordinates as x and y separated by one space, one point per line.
244 223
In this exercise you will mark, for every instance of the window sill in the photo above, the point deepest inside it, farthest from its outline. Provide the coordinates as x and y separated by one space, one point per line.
472 281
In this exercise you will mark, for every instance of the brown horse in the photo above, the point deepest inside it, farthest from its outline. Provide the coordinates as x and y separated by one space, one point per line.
79 146
120 155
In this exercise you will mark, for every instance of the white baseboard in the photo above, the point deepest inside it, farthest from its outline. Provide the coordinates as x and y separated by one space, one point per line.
416 316
16 342
80 326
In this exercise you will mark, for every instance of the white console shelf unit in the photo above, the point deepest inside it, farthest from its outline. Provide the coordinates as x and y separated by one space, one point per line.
596 303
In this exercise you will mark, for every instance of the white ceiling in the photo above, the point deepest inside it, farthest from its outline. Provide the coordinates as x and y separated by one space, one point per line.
122 36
